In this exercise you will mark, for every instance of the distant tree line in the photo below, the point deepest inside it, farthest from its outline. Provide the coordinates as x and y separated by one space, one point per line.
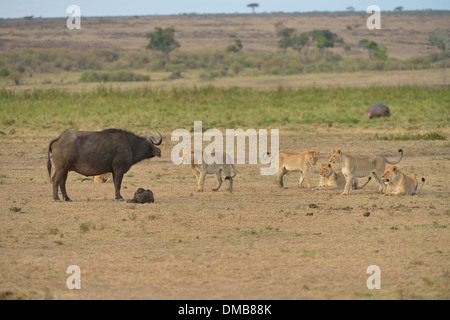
311 48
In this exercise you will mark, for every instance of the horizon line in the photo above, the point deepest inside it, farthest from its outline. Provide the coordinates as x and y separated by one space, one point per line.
30 17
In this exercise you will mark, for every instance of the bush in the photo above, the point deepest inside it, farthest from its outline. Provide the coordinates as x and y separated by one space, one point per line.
4 72
236 68
16 76
272 65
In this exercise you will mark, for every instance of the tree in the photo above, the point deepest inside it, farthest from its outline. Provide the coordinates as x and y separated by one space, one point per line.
235 47
347 49
351 9
373 49
324 39
440 40
286 40
399 9
253 6
299 43
163 40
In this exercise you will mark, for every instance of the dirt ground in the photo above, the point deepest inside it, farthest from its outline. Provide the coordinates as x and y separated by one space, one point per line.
259 242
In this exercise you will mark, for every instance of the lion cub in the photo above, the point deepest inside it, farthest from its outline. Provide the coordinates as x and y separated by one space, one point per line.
329 179
201 170
296 162
400 184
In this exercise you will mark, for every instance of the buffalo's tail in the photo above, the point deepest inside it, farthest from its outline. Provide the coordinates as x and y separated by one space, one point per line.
49 162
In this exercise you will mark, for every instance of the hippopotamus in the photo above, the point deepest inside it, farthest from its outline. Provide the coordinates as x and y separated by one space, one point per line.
378 110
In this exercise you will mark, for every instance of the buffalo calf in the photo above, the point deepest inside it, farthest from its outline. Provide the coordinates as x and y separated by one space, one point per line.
142 196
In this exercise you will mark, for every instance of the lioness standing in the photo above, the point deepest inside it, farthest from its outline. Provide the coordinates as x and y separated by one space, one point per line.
359 167
399 183
201 170
296 162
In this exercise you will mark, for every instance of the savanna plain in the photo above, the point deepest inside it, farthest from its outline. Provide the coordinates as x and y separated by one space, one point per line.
258 242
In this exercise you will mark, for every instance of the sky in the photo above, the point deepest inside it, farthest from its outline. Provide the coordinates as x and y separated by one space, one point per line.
90 8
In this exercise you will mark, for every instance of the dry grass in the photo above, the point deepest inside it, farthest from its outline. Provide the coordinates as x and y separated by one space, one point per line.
404 35
260 242
160 80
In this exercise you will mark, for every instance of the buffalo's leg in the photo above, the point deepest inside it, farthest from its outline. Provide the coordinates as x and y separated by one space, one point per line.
57 178
63 187
55 189
118 177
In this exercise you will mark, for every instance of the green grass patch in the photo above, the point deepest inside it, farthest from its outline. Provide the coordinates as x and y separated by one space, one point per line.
86 226
140 109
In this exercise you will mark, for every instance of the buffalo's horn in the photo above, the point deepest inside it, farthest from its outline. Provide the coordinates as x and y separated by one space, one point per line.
157 143
153 139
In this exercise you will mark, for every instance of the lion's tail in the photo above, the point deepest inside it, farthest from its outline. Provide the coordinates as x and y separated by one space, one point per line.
235 172
365 184
423 183
401 157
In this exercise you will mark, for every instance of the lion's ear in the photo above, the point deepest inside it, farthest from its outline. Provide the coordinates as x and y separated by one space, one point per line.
339 151
394 168
329 165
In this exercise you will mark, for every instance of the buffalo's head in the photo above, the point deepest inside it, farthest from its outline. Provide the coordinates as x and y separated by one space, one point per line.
154 142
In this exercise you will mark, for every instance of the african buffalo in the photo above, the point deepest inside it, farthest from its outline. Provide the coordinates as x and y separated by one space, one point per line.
93 153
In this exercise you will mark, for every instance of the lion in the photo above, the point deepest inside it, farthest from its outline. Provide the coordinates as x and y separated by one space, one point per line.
201 170
106 177
359 167
296 162
330 179
400 184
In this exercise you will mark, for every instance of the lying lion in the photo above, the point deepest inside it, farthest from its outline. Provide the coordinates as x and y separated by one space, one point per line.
201 170
400 184
332 180
103 178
